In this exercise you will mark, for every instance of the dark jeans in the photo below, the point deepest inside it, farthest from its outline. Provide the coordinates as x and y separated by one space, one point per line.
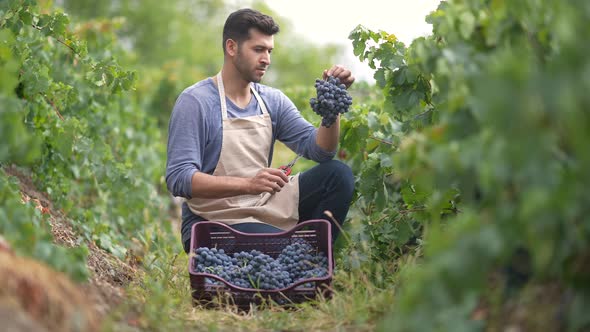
326 186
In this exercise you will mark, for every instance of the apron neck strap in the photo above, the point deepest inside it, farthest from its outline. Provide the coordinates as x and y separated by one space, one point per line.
221 90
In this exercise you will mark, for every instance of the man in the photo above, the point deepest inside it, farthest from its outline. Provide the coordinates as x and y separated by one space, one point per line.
221 133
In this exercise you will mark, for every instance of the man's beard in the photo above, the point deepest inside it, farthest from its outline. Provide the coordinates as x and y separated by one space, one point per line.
244 69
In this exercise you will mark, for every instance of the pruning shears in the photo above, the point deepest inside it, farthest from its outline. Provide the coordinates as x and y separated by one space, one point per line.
287 168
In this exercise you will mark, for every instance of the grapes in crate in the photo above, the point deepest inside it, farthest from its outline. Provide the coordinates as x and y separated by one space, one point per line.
332 99
254 269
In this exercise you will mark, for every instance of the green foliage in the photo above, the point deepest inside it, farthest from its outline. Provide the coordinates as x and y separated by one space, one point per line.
484 133
18 143
158 31
393 207
71 118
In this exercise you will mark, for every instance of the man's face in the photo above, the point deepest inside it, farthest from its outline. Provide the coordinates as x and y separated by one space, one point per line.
253 56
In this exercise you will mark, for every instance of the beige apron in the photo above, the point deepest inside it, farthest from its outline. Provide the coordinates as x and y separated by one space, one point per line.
244 151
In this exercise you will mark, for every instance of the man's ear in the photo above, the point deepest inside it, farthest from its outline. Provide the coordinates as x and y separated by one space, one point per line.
231 47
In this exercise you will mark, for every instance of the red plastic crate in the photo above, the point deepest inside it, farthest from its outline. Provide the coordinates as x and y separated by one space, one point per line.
213 234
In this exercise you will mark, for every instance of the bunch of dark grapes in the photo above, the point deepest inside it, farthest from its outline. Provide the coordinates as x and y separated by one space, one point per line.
255 269
301 262
332 99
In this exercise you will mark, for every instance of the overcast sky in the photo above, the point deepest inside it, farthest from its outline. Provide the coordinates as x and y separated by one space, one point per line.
330 21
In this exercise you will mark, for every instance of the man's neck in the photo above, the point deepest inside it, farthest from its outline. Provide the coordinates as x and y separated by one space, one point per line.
236 88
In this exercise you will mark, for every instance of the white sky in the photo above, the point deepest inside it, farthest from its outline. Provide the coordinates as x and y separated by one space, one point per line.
330 21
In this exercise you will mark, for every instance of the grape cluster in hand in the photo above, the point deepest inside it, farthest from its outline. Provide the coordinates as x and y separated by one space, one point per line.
255 269
332 99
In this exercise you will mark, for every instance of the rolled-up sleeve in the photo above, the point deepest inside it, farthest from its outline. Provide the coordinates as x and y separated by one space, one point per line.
186 143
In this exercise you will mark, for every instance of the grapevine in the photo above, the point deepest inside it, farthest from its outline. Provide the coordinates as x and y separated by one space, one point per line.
484 167
63 114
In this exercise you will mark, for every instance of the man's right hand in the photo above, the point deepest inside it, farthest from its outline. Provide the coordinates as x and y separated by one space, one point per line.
269 180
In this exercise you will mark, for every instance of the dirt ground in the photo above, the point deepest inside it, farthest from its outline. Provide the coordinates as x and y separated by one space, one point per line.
21 288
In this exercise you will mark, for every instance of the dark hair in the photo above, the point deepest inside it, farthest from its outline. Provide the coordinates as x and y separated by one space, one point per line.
238 24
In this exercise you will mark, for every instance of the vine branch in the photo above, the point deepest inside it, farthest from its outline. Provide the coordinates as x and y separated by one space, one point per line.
381 140
50 102
58 40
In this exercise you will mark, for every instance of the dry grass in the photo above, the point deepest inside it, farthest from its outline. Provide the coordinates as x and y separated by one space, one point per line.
49 299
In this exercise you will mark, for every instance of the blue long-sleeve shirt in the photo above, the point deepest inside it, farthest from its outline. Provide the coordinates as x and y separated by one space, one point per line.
195 131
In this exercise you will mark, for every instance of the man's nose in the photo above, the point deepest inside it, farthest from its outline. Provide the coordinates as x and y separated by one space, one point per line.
265 59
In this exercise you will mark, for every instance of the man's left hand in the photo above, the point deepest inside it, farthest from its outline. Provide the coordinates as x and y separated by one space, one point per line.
343 74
